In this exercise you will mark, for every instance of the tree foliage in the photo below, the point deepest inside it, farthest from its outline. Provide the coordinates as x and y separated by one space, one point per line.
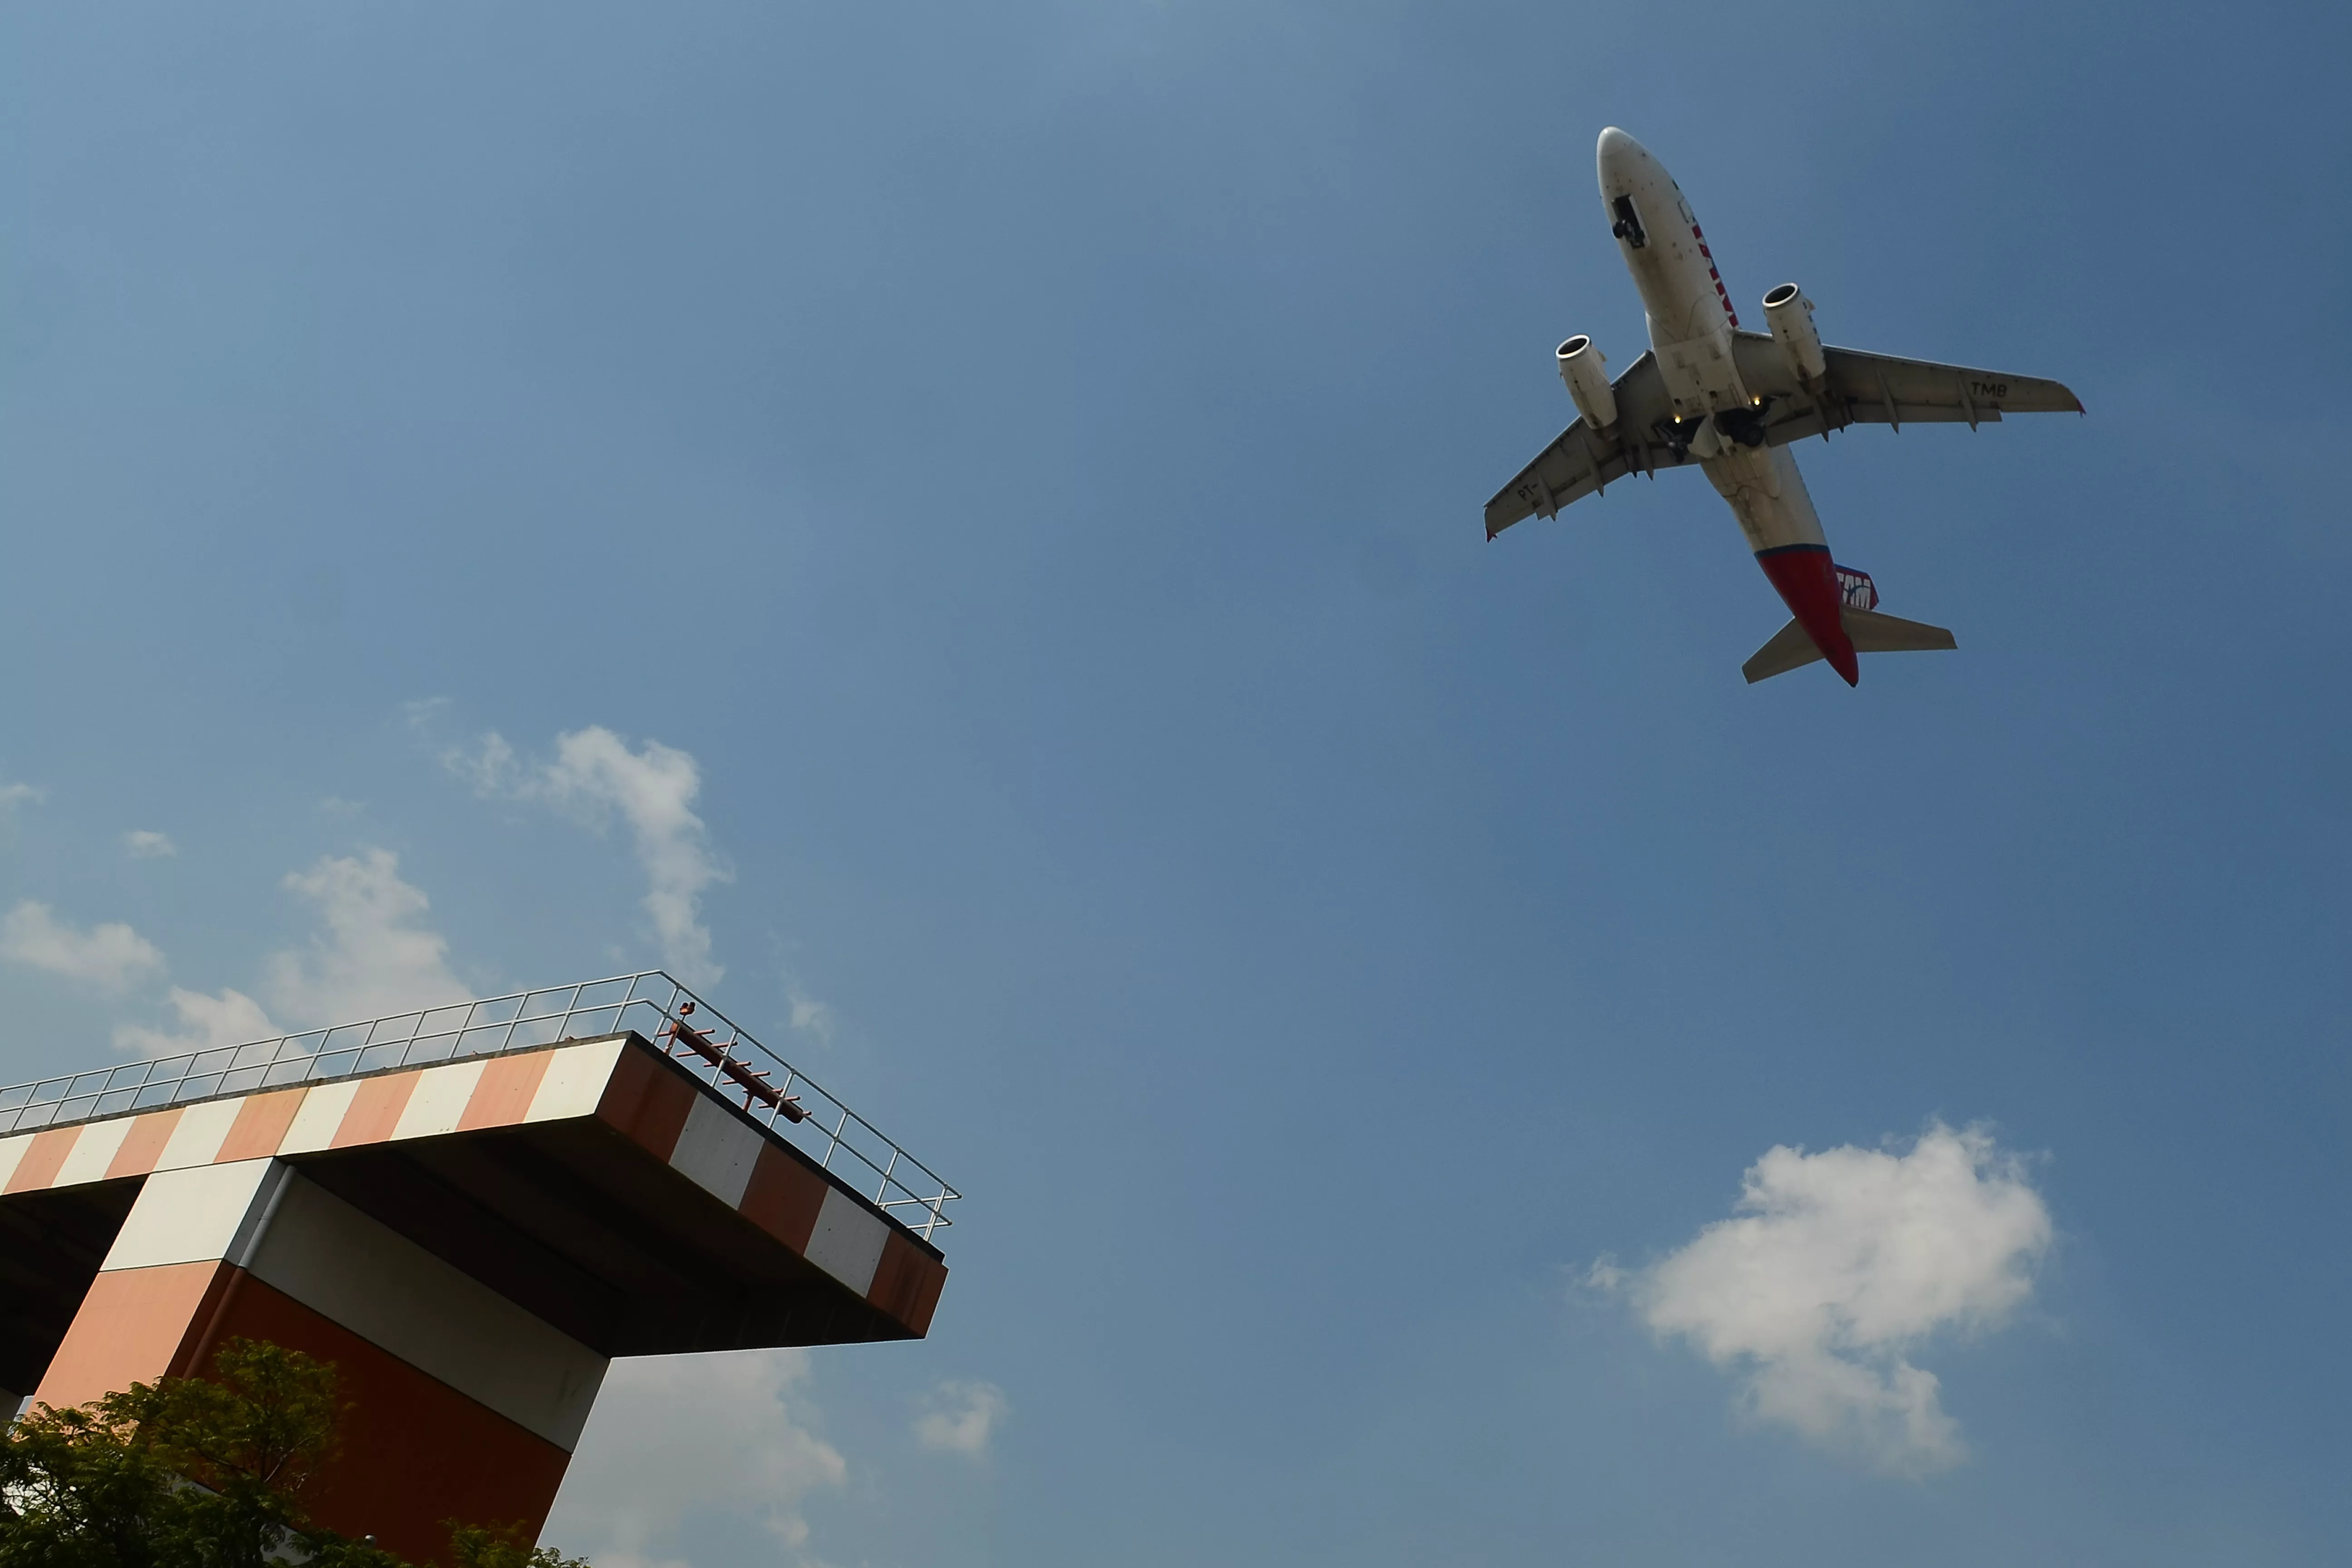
202 1473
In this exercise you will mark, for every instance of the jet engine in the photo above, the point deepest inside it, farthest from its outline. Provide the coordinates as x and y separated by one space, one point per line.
1587 374
1791 316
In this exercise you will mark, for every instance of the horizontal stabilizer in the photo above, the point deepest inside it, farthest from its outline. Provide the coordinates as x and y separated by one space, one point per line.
1871 632
1874 633
1789 650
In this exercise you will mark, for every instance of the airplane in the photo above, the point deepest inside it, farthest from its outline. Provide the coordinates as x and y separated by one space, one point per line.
1732 401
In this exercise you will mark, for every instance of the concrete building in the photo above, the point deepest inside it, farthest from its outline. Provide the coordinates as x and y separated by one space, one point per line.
470 1211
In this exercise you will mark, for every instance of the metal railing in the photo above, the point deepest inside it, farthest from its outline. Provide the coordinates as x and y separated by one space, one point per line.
696 1033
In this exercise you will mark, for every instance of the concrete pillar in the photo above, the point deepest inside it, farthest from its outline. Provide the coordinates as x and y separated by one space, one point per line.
465 1406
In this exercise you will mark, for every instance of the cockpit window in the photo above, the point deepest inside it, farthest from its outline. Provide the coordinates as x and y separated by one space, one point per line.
1628 226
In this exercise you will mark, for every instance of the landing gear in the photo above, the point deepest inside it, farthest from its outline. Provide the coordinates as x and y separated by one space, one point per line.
1678 435
1628 226
1706 435
1745 426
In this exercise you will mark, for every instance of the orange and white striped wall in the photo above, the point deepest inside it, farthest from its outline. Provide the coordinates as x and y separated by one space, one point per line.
471 1244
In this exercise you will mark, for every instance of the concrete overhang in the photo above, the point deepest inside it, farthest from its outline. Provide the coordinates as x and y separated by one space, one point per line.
599 1185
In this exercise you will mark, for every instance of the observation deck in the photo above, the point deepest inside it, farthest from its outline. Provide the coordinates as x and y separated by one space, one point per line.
470 1209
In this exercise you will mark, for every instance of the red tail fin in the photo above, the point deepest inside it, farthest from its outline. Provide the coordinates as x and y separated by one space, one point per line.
1808 583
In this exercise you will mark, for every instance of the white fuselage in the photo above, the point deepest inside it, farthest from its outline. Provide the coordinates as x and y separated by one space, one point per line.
1691 321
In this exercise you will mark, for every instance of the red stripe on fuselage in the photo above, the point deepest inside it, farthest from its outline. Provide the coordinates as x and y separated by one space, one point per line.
1720 292
1807 583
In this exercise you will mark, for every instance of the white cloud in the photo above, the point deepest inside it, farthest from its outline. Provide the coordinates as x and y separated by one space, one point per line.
596 777
491 767
809 1016
1837 1269
967 1414
13 795
374 956
679 1435
422 713
111 955
231 1018
143 844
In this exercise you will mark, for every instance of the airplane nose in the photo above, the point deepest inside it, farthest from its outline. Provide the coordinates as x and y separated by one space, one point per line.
1617 154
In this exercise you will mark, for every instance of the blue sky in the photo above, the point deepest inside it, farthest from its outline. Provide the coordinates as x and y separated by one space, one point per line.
1005 483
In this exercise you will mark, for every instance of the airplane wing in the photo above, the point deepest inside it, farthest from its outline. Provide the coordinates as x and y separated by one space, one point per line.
1859 389
1583 462
1880 389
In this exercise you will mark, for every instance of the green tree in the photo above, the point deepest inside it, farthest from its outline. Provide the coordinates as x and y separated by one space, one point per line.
477 1546
200 1473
